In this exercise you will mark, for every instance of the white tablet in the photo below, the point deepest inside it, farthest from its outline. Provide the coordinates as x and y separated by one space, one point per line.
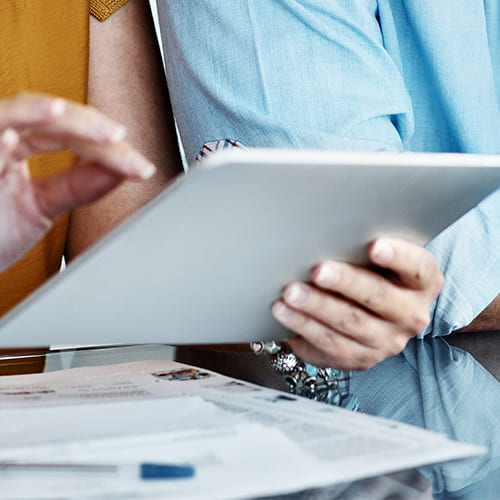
203 262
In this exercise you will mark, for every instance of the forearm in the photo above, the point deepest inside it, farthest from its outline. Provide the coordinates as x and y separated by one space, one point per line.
467 254
127 83
489 319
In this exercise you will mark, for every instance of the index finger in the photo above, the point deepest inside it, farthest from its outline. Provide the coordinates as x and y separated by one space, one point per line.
82 123
414 265
56 119
28 110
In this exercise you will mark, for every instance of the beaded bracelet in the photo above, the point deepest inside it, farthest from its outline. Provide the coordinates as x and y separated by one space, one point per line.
327 385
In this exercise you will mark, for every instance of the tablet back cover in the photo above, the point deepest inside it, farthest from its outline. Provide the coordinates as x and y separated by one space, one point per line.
203 262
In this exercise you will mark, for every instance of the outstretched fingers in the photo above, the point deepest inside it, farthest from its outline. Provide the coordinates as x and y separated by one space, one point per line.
76 122
120 158
29 110
54 116
63 192
47 124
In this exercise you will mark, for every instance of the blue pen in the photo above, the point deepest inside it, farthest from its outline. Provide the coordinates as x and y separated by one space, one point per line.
145 470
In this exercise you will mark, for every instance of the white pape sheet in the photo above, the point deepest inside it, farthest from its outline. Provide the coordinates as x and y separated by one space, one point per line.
245 441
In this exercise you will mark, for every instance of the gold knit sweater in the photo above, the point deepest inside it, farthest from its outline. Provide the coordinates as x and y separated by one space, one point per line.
102 9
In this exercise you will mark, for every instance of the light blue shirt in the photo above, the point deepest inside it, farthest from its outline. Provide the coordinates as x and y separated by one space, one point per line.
366 75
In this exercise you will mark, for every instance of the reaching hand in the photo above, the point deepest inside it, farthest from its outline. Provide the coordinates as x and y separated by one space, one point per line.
30 123
351 317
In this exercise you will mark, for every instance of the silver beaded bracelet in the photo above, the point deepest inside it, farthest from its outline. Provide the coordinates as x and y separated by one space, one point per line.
327 385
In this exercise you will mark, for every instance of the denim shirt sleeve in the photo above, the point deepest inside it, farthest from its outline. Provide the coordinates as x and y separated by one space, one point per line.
350 75
468 253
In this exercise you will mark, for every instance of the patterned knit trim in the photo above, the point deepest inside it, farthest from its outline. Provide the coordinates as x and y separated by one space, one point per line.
210 148
102 9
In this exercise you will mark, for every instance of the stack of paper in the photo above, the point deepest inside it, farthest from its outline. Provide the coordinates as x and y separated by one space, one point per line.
243 440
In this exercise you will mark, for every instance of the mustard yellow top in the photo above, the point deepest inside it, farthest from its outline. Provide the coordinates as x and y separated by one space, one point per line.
45 48
102 9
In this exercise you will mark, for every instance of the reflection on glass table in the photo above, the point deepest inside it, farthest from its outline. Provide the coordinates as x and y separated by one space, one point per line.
430 385
403 485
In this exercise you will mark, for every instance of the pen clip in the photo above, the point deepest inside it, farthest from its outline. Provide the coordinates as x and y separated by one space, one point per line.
145 470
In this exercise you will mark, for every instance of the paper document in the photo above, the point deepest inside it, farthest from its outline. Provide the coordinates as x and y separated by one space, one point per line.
244 441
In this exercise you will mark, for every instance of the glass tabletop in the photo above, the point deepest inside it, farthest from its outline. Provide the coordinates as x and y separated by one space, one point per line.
472 414
407 484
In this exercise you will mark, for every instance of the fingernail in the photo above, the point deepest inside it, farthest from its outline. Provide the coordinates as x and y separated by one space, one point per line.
110 133
327 274
118 134
50 107
137 165
9 137
146 170
281 312
296 294
382 253
57 107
